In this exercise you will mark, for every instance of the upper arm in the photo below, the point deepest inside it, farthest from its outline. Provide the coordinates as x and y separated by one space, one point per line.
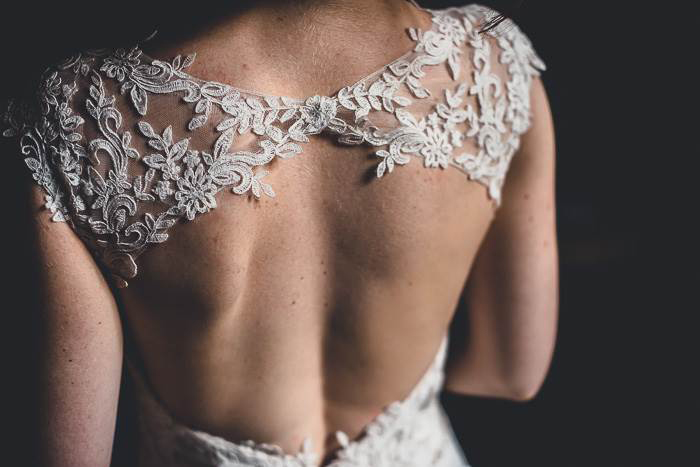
512 291
76 328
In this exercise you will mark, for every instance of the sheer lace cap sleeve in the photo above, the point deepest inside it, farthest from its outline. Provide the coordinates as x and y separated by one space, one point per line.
125 146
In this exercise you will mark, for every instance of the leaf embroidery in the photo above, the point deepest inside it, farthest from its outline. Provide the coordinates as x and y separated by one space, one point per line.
123 201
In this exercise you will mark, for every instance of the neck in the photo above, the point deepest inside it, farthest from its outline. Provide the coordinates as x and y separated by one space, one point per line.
342 9
321 44
310 18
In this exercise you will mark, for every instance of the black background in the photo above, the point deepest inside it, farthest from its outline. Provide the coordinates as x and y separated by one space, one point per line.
622 390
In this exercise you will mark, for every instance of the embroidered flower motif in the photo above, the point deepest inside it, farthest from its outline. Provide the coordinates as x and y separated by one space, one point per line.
117 208
437 150
121 63
432 120
317 112
171 170
196 192
119 180
163 190
192 159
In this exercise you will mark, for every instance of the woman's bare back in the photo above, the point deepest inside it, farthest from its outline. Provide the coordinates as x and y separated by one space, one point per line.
294 316
307 313
310 312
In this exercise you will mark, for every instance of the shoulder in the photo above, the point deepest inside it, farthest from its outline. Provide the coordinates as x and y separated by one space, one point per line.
480 21
41 126
502 53
75 134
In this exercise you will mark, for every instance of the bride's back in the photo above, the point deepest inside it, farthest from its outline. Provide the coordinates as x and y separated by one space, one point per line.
318 306
276 316
310 311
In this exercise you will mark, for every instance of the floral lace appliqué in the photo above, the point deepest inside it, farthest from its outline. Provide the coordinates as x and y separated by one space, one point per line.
122 178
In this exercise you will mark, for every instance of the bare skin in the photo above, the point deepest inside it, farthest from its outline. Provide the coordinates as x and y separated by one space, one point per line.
301 315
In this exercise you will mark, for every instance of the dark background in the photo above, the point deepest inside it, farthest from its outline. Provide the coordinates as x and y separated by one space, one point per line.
623 388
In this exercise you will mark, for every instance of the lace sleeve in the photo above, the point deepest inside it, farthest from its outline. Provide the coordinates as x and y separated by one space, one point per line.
48 135
26 122
524 64
502 65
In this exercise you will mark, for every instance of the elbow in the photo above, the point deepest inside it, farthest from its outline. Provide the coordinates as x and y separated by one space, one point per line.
512 387
522 391
515 379
522 380
523 384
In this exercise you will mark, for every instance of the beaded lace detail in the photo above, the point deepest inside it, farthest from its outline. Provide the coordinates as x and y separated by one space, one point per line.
123 174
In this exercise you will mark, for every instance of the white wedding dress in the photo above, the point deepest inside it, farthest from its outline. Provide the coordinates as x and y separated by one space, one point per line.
126 147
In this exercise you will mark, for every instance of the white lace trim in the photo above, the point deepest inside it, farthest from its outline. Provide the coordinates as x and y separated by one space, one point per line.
121 202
